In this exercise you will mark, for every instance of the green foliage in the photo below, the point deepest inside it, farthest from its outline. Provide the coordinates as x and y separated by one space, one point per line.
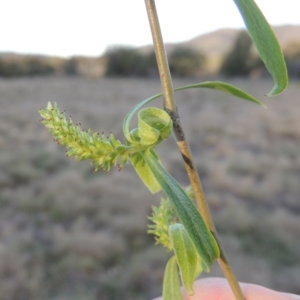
154 125
62 202
144 172
186 62
265 42
171 285
189 216
193 243
222 87
186 255
162 217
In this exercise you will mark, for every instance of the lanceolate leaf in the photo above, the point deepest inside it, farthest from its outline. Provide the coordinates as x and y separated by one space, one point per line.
144 172
222 87
216 85
265 42
189 216
186 255
171 285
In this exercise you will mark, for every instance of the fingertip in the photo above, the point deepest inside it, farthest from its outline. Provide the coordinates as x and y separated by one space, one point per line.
219 289
256 292
211 289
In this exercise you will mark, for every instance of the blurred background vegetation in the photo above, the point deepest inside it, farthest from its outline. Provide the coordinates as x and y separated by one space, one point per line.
67 233
225 52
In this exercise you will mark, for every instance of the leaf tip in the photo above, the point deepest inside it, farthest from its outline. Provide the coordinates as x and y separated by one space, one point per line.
278 89
264 106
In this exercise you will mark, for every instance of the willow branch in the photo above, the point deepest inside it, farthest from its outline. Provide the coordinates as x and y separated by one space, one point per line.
171 108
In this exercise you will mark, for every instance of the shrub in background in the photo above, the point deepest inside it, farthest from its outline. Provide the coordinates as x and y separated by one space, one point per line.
186 62
237 62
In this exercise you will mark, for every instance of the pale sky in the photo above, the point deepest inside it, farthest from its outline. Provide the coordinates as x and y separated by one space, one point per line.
70 27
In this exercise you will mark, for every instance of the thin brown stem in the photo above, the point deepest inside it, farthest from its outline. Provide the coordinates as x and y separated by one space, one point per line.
171 108
160 53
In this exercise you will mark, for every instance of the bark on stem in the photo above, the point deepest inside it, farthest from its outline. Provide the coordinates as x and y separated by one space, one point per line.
171 108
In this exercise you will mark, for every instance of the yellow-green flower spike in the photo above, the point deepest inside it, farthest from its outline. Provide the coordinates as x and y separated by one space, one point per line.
104 152
162 217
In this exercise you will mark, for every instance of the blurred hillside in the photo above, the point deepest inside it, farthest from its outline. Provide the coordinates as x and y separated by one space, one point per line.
217 44
202 56
18 65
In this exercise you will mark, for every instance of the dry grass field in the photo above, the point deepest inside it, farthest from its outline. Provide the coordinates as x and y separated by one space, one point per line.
68 234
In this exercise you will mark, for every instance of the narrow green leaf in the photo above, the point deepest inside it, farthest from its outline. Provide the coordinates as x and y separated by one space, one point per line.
222 87
216 85
171 285
154 124
186 255
266 43
144 172
189 216
131 113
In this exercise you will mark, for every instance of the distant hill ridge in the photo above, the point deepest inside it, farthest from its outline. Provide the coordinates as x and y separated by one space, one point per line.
219 42
214 45
216 42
